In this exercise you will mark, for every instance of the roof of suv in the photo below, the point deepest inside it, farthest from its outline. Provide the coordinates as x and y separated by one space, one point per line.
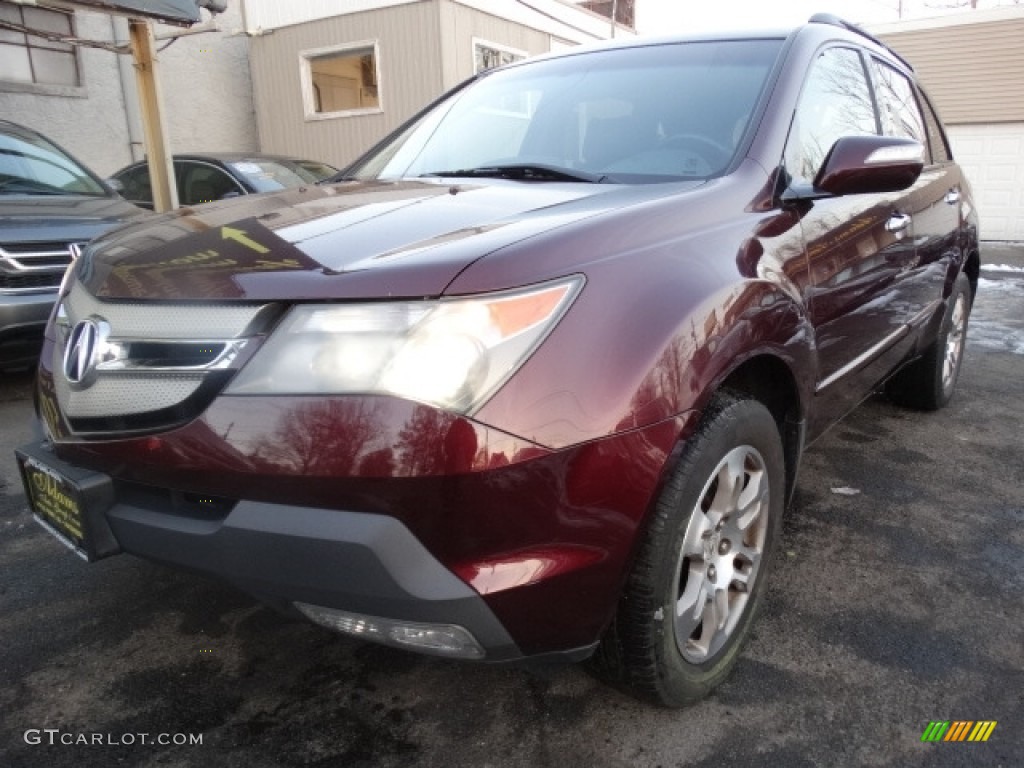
817 20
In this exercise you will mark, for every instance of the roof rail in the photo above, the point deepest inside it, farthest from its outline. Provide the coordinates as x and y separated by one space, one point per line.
835 21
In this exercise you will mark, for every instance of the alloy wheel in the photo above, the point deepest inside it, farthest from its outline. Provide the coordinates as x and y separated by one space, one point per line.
721 554
954 342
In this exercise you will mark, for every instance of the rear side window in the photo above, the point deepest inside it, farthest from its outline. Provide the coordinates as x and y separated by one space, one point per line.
901 115
836 102
936 136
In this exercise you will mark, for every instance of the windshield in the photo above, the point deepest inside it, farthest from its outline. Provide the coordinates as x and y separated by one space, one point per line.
645 114
320 171
30 165
269 175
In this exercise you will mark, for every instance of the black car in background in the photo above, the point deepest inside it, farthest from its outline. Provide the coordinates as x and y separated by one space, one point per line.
48 202
205 177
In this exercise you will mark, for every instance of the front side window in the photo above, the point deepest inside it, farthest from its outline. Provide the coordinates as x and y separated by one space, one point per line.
836 102
341 81
202 183
28 58
136 186
630 115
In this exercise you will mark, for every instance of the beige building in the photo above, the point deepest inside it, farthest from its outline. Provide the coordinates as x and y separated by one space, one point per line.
973 67
332 77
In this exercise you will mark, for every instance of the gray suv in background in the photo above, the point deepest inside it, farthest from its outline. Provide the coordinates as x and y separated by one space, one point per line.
48 203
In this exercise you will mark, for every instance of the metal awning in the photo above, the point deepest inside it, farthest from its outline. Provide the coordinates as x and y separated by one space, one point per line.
170 11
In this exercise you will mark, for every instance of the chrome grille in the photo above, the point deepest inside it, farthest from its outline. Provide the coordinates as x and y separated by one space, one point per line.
30 267
147 363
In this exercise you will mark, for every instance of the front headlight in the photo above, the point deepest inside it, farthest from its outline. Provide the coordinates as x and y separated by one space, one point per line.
452 352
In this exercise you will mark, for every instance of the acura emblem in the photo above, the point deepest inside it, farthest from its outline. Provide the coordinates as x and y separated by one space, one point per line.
82 351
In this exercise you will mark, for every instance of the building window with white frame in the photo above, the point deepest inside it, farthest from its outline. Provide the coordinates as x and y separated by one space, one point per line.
35 59
341 81
488 55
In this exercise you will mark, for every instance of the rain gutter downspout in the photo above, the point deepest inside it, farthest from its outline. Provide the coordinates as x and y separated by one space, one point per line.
129 93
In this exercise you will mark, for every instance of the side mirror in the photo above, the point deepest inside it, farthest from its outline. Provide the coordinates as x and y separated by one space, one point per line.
116 185
870 164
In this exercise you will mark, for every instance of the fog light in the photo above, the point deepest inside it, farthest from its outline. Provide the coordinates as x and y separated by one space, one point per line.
438 639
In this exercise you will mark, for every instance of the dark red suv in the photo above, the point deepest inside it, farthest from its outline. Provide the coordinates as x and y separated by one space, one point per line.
534 375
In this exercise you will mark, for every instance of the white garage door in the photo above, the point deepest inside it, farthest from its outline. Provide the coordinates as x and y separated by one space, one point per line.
993 157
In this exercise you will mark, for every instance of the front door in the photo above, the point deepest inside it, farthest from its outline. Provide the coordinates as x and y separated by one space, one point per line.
860 248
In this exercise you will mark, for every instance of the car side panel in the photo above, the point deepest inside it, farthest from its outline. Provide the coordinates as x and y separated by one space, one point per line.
936 200
857 297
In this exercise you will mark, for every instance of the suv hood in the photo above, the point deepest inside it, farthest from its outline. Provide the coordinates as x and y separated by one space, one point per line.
344 241
70 218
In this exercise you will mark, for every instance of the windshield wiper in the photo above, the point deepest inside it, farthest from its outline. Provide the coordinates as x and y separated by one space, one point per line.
523 172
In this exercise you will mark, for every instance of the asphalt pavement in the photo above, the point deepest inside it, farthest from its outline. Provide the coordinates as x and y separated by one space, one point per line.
895 600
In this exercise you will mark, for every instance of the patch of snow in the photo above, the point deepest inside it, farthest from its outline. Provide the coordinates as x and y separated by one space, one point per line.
845 491
992 334
1000 286
996 318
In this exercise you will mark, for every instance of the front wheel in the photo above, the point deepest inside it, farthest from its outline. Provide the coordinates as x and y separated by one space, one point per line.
691 597
928 383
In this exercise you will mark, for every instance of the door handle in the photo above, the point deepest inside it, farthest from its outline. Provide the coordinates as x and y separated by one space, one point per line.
897 223
953 197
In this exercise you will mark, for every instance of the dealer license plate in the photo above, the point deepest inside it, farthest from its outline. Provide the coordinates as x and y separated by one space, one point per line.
64 506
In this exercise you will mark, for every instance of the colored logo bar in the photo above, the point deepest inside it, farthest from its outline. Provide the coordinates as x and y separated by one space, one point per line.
958 730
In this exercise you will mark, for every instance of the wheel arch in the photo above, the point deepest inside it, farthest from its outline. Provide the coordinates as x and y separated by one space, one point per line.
972 268
769 380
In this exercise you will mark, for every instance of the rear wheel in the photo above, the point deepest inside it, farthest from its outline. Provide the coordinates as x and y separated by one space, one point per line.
928 383
689 602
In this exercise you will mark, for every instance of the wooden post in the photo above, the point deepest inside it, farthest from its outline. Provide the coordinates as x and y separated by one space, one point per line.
161 168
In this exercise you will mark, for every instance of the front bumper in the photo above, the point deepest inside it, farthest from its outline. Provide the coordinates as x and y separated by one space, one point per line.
282 554
433 519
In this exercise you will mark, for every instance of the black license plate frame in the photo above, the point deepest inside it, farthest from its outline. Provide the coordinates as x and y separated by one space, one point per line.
68 502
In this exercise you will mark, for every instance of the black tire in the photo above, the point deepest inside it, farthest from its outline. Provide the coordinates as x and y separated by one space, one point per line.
644 650
928 383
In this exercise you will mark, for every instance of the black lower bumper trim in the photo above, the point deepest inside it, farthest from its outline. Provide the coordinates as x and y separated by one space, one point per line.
351 561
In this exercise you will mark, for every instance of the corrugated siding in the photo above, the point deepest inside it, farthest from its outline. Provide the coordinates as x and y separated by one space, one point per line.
410 75
556 17
460 24
274 14
973 72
